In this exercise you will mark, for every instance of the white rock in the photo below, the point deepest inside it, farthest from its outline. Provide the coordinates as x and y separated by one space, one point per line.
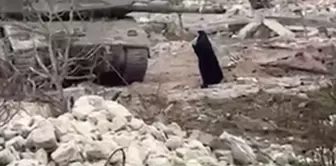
21 123
192 150
95 117
67 153
63 124
180 152
119 123
136 124
7 156
76 164
193 162
203 137
195 154
73 137
86 129
27 155
143 130
26 162
96 150
122 138
224 155
86 105
207 161
52 163
194 144
160 126
177 161
222 162
151 145
161 160
134 151
159 135
116 109
9 134
43 136
174 142
17 142
2 141
42 156
66 116
94 100
104 126
175 129
241 151
96 163
81 112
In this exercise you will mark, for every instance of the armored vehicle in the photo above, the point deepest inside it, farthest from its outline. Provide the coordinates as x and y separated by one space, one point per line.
99 37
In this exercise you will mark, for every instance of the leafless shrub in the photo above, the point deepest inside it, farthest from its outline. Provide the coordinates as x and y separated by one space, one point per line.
53 64
14 88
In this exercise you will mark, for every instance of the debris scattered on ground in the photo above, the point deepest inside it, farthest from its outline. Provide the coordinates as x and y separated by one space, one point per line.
97 127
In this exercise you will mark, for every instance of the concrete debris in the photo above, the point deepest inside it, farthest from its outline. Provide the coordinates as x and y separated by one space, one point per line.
8 155
278 28
26 162
66 153
241 151
280 17
248 30
43 136
42 156
75 139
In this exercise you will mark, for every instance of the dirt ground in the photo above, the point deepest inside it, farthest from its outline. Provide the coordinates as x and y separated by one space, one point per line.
171 93
263 96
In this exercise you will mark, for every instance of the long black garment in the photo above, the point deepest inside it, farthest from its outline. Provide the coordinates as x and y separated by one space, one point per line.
210 70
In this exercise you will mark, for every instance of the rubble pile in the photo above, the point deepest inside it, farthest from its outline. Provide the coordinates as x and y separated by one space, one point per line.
97 127
282 18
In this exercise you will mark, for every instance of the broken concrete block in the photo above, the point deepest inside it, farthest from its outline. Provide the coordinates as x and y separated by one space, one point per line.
43 136
248 30
262 32
67 153
278 28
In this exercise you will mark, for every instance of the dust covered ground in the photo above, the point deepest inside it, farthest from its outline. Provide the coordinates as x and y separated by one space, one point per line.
263 96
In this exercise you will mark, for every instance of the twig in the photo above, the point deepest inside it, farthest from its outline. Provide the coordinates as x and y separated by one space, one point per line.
107 163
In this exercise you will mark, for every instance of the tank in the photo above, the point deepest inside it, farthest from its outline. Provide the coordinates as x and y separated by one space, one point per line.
99 37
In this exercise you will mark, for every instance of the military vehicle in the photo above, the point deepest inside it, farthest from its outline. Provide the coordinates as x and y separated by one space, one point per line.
104 41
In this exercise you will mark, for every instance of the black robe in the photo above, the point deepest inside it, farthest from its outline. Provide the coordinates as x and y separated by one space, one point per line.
207 61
